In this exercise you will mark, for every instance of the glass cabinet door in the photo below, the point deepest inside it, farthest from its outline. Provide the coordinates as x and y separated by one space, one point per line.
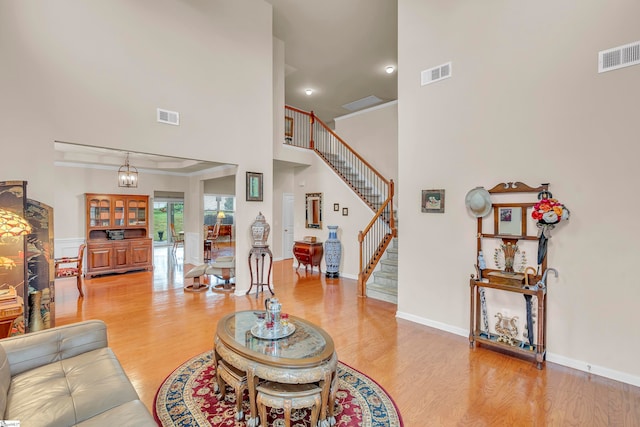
137 212
118 213
99 212
142 213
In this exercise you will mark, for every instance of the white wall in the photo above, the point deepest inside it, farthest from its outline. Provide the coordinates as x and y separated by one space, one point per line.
221 186
95 72
524 103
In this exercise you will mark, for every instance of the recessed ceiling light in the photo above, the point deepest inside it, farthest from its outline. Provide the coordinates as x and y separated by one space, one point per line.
308 91
390 69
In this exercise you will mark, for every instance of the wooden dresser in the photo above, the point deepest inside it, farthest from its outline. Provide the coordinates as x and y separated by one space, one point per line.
117 232
308 253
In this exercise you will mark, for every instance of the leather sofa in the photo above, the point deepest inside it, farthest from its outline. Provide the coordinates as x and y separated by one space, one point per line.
67 376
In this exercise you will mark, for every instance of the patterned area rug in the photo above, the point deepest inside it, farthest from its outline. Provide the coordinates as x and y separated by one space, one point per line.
186 398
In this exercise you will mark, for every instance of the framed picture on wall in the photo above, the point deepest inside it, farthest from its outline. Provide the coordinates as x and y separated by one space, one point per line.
433 201
254 187
288 127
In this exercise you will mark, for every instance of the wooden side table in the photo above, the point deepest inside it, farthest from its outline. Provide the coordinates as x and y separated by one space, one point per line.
258 254
308 253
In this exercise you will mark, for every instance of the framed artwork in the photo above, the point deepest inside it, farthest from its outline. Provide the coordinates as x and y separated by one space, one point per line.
288 127
433 201
254 187
345 211
336 207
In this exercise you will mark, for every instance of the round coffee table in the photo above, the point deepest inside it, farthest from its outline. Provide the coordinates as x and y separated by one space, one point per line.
306 356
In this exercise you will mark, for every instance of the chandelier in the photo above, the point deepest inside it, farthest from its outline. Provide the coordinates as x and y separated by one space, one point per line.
127 175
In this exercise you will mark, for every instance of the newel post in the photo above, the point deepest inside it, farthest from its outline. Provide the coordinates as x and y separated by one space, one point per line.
361 280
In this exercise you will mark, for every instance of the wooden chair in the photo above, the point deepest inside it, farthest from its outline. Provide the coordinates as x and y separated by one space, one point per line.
71 267
178 239
229 375
213 233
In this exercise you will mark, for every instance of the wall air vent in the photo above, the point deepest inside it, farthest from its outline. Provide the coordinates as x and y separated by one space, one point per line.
168 117
435 74
619 57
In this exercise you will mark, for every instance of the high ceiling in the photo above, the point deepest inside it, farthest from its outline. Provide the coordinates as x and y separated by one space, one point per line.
338 48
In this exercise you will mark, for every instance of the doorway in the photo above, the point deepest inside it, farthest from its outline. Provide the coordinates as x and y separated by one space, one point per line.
287 225
165 213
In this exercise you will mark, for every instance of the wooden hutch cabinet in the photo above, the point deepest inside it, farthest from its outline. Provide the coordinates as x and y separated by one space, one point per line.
117 232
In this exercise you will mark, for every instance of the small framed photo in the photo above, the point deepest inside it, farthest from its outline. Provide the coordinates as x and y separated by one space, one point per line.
505 214
336 207
288 127
254 187
345 211
433 201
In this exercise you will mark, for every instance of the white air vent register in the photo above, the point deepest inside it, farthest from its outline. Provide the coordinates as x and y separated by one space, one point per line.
435 74
619 57
168 117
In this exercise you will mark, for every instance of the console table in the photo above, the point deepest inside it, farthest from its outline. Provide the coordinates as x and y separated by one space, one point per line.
308 253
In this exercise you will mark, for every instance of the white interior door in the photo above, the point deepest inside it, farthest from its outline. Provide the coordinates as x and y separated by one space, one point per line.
287 225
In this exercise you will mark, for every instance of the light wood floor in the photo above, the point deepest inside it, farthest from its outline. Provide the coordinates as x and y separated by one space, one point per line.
433 376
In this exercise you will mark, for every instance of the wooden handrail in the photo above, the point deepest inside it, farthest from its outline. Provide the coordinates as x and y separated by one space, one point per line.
297 110
378 214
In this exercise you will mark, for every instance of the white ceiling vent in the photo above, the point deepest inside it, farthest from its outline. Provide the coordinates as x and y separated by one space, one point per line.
435 74
168 117
619 57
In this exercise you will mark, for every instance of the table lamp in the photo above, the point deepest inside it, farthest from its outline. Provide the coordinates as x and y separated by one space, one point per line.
220 217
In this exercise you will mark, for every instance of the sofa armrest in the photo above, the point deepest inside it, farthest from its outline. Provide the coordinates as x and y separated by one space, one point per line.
25 352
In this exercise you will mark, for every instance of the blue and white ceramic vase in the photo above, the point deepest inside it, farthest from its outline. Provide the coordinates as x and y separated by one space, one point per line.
332 252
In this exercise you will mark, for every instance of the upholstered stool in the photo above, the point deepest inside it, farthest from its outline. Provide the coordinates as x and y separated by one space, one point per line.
229 375
288 397
196 273
224 268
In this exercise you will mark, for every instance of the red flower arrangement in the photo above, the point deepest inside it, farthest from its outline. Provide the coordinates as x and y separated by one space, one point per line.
549 210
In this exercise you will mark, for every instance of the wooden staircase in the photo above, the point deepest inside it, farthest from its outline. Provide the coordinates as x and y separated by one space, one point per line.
373 188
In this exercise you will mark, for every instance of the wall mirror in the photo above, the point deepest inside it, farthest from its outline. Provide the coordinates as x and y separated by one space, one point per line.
313 203
511 219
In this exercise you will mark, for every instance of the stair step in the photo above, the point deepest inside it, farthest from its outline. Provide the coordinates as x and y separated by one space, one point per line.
382 293
389 264
385 278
